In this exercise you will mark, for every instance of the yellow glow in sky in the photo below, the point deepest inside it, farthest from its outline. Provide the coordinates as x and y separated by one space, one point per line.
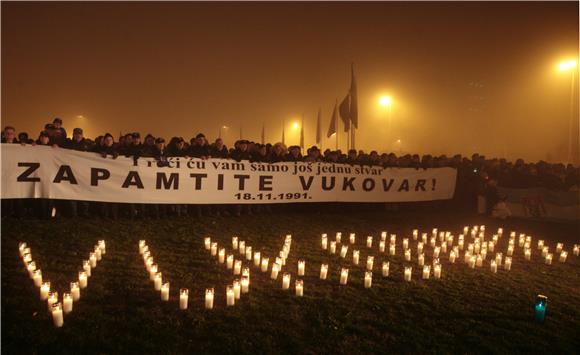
385 100
567 65
295 125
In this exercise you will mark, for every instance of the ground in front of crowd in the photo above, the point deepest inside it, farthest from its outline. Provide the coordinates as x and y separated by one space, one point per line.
465 311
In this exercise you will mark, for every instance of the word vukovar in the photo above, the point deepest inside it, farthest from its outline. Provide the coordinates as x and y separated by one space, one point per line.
167 181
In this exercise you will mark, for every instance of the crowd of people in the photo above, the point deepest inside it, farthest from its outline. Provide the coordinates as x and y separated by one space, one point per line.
477 176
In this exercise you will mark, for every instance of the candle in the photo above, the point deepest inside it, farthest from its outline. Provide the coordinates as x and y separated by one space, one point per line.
52 299
436 252
93 260
222 255
528 254
75 291
209 298
434 231
510 251
408 255
237 267
443 248
183 297
545 251
142 245
415 234
37 278
31 267
57 317
245 284
351 238
275 269
242 247
27 258
466 257
152 271
324 241
98 253
369 241
500 231
87 267
237 289
432 242
392 249
576 249
493 266
265 264
540 244
405 243
230 296
44 290
476 248
301 266
370 262
393 239
67 303
408 271
421 259
282 258
299 288
157 283
479 261
286 281
423 237
521 242
21 247
246 272
338 237
83 279
214 248
437 271
207 243
257 258
383 235
343 276
234 242
508 263
249 253
460 244
452 257
332 247
563 256
426 272
419 248
355 256
471 262
230 261
559 247
368 279
382 246
385 268
343 251
102 246
323 271
548 259
279 261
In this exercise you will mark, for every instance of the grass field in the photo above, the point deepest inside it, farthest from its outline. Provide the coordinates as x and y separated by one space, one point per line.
467 311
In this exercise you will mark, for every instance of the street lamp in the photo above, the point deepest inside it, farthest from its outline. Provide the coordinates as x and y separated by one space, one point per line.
220 132
570 65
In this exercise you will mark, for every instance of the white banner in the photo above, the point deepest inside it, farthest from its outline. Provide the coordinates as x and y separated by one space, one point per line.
541 203
46 172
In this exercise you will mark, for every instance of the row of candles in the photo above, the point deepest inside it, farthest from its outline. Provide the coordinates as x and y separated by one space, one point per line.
156 276
56 308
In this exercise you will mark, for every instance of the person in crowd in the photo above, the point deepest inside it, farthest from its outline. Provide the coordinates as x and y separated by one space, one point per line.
107 147
261 154
219 150
9 135
78 141
200 148
352 157
241 152
278 153
313 155
24 139
293 154
58 134
177 148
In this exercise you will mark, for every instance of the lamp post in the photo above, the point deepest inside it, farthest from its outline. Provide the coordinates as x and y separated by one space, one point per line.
570 65
220 131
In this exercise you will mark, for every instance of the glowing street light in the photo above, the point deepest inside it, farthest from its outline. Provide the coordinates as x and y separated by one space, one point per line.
220 132
565 66
295 125
385 101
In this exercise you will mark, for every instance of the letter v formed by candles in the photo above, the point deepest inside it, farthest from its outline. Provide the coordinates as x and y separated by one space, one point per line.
47 294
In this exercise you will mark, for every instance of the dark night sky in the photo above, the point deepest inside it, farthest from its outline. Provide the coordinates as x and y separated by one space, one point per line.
181 68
